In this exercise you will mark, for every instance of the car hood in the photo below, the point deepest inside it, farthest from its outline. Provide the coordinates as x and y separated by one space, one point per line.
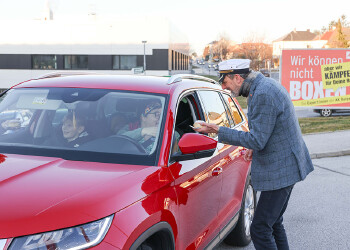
39 194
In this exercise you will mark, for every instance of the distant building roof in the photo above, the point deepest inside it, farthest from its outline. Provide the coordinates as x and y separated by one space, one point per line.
327 35
297 36
333 38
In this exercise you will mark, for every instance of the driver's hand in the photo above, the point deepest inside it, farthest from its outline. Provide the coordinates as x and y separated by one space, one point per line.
151 131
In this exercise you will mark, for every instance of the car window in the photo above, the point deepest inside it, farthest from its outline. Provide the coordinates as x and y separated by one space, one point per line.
13 118
87 120
214 109
237 118
187 113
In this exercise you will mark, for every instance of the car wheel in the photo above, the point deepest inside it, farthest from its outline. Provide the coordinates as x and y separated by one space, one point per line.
326 112
145 246
240 235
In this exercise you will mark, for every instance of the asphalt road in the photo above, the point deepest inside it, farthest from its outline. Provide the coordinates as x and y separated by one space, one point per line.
318 215
205 70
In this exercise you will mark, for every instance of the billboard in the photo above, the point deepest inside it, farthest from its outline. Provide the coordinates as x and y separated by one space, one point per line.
317 77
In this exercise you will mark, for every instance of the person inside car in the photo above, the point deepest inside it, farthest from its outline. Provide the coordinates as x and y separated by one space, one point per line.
72 134
73 130
149 119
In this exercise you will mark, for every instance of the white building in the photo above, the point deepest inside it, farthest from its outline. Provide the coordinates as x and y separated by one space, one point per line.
295 40
29 49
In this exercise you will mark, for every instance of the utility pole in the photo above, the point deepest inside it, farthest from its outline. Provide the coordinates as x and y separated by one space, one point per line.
144 57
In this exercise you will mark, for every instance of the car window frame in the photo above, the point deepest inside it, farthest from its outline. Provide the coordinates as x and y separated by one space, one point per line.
201 114
204 109
238 109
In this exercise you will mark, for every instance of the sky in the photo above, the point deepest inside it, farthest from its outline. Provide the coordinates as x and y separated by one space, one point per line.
202 21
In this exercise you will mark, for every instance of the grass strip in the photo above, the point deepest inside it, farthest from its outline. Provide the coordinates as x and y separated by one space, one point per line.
324 124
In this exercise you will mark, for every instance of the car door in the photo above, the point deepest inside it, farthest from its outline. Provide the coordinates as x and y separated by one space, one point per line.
229 159
196 183
235 168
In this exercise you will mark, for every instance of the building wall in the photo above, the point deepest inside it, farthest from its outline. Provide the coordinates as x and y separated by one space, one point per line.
15 68
166 49
10 78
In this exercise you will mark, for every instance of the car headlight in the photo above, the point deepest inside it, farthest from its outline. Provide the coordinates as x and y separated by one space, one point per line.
74 238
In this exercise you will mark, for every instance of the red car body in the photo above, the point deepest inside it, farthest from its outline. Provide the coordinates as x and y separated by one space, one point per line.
189 200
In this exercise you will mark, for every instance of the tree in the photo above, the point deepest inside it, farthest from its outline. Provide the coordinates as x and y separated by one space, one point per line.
341 39
220 48
333 23
255 49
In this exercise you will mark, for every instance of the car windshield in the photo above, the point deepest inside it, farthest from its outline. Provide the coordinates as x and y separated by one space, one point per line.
82 124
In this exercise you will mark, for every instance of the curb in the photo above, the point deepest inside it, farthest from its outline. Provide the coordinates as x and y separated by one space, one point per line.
330 154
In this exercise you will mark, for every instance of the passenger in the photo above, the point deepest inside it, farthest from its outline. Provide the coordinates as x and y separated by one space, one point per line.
73 130
72 134
145 135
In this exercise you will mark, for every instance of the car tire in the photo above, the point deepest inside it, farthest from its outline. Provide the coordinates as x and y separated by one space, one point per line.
326 112
145 246
240 235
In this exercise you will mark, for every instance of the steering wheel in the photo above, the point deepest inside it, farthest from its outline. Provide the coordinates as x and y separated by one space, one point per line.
139 146
114 144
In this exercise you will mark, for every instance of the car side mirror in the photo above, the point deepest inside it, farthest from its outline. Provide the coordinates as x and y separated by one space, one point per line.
194 146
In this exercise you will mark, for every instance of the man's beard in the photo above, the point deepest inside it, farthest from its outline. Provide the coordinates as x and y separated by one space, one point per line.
233 94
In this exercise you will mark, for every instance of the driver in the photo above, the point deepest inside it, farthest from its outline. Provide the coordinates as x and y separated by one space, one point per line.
145 135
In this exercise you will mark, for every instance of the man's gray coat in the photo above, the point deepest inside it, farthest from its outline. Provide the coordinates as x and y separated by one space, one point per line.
280 156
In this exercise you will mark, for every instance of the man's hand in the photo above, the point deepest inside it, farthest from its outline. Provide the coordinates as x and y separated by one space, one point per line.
207 128
248 155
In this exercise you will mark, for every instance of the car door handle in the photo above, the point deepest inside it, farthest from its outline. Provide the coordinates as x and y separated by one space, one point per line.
216 171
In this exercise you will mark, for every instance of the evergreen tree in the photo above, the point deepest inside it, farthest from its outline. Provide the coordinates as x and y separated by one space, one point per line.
341 40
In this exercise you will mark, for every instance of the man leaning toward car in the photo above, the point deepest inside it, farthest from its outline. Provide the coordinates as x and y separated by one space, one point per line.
278 152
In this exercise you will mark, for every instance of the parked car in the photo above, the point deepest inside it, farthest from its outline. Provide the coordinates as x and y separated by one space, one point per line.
326 112
172 189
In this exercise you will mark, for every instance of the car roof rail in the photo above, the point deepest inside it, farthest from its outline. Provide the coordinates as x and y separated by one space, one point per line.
65 73
180 77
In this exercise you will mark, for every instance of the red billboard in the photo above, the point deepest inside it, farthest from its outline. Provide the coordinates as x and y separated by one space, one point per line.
302 71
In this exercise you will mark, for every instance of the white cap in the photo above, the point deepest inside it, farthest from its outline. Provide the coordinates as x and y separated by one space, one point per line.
233 64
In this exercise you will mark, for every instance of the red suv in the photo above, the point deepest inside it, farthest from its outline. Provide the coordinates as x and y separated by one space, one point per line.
112 162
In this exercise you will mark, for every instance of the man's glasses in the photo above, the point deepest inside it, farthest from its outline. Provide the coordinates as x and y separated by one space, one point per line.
156 114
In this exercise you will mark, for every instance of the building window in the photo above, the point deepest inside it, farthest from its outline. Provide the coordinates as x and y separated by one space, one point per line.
75 62
44 62
128 62
116 62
